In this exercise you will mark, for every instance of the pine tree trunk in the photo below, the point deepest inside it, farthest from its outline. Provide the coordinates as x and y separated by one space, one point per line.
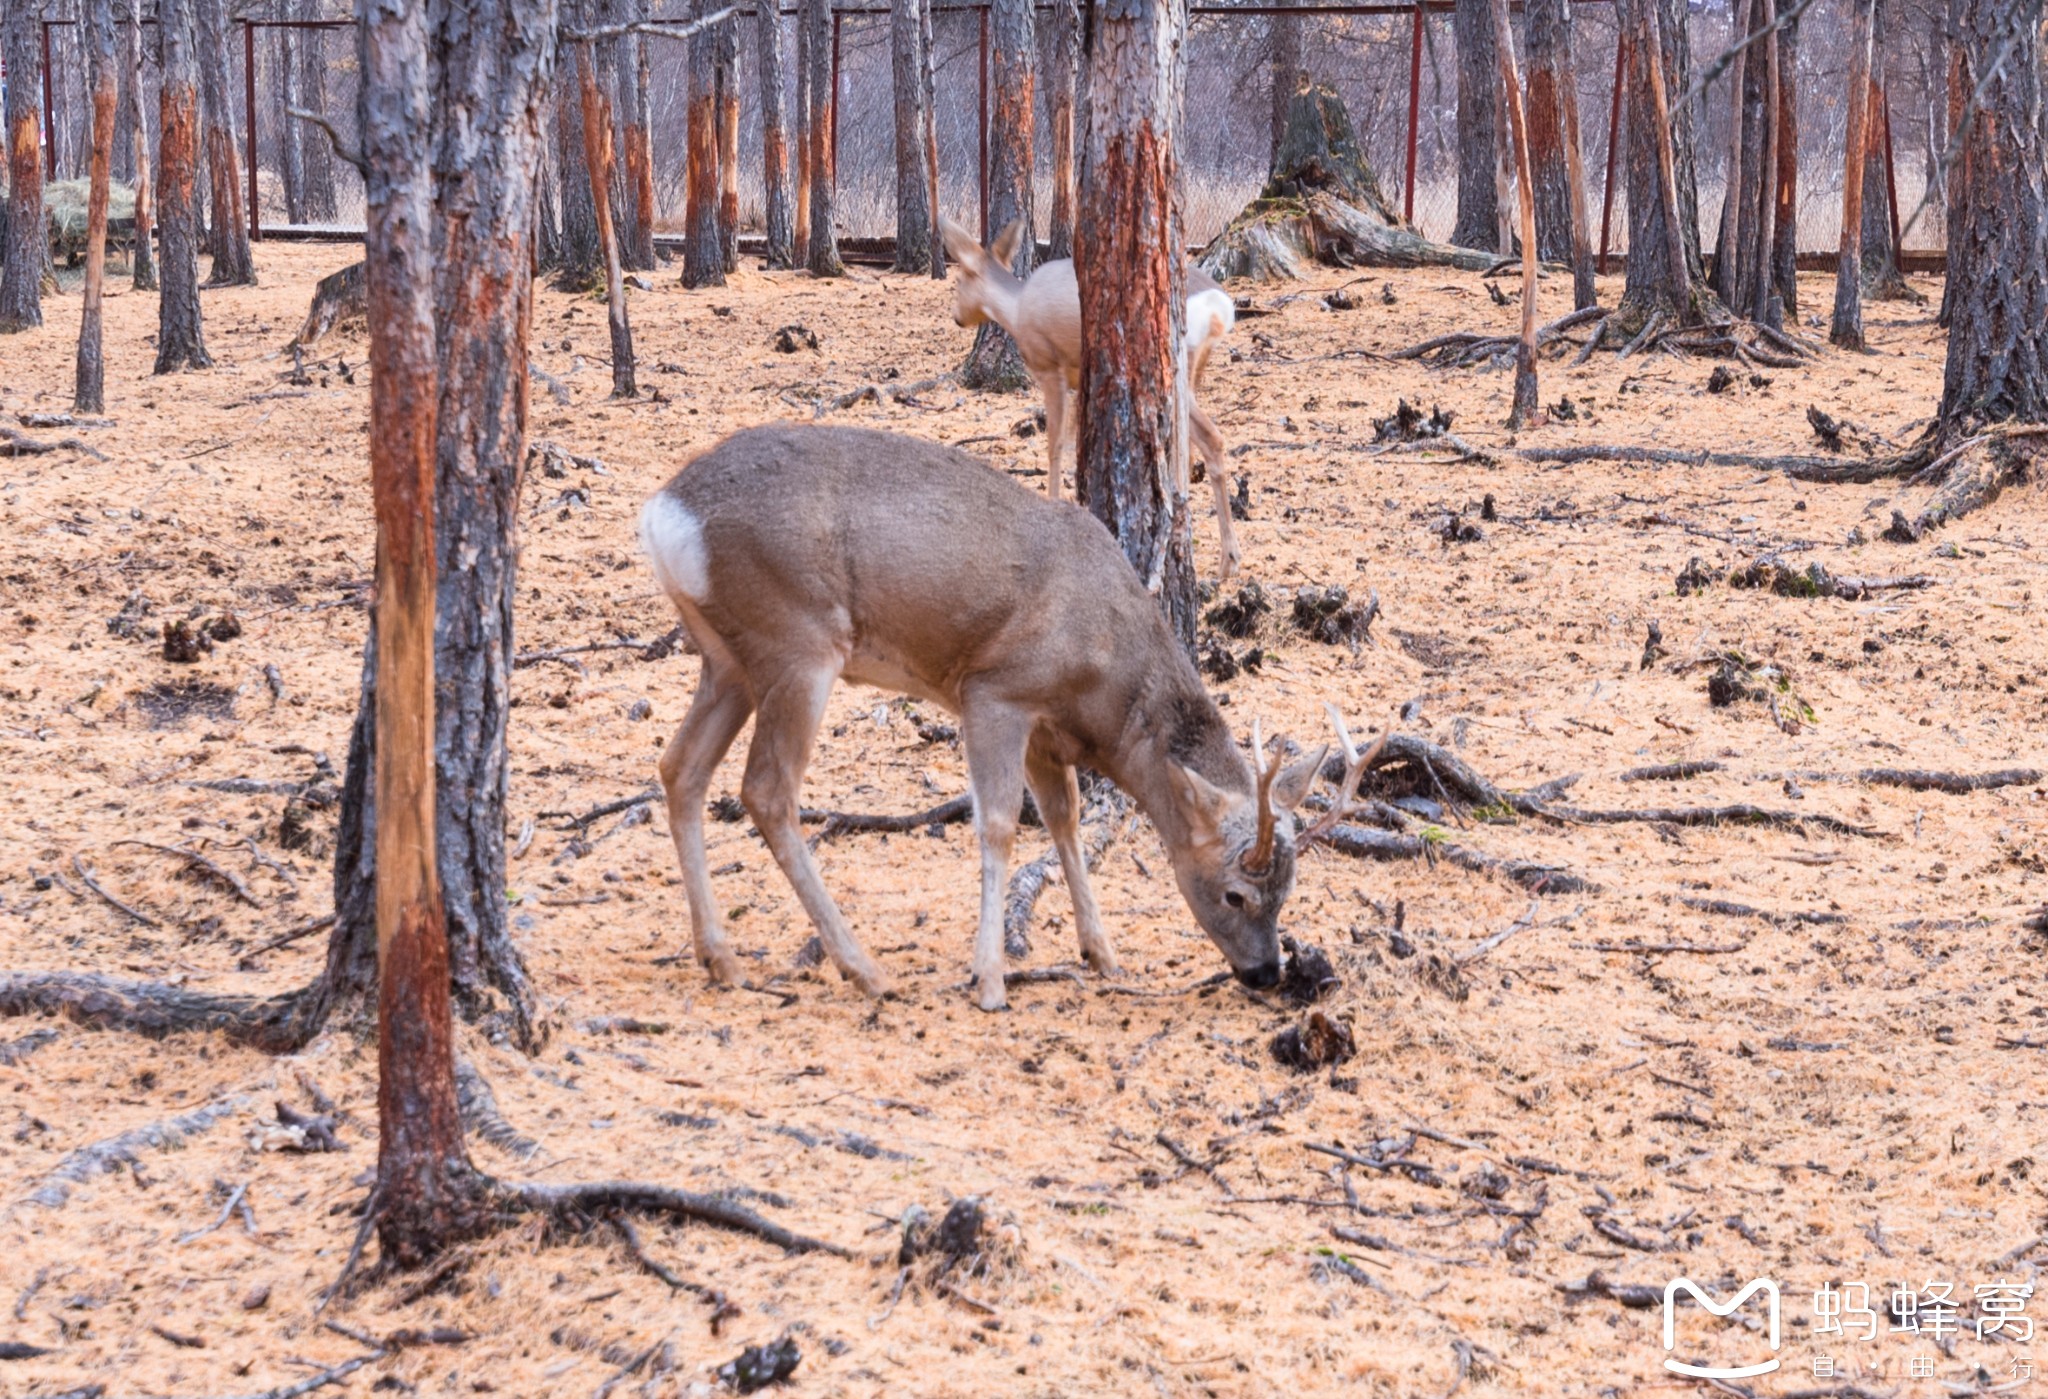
726 55
1785 220
145 195
1998 243
292 137
1847 329
913 176
21 267
1563 226
127 109
1526 402
1734 235
180 344
993 362
1664 271
582 253
233 263
800 155
703 251
1131 465
1883 278
597 152
824 238
1065 54
1283 41
89 389
1761 305
315 154
1479 211
625 59
927 65
774 133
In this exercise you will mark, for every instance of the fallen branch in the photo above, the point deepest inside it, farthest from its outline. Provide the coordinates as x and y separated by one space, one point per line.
272 1023
478 1106
1958 783
1364 842
100 1157
650 650
1799 468
960 808
1708 949
1737 814
572 821
873 393
85 873
1525 923
20 444
631 1236
1670 772
227 879
1030 880
304 930
606 1197
15 1051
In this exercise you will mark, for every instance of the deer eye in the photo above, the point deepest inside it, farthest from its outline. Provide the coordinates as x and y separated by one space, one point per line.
1234 899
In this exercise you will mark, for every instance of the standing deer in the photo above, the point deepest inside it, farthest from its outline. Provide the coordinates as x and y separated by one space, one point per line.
800 555
1043 315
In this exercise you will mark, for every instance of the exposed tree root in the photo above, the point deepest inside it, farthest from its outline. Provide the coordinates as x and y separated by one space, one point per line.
960 808
1364 842
1670 772
1472 347
1738 814
100 1157
1104 820
603 1198
16 1051
1959 783
480 1117
1799 468
274 1024
18 444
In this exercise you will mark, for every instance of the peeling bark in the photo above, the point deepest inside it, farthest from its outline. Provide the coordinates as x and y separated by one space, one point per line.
1064 59
823 242
234 265
1563 225
597 151
1526 406
726 60
703 249
145 228
21 264
774 134
1847 328
1479 153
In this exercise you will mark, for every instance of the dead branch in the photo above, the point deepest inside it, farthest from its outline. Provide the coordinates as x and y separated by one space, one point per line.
1959 783
85 874
15 1051
1648 948
1670 772
872 393
631 1236
607 1197
304 930
273 1023
332 1375
100 1157
481 1118
659 29
572 821
649 650
20 444
1364 842
960 808
227 879
1029 881
1736 814
1526 922
344 149
1799 468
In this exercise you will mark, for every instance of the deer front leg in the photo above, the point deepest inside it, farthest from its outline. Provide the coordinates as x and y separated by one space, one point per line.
994 736
721 706
1059 801
1054 387
784 729
1209 442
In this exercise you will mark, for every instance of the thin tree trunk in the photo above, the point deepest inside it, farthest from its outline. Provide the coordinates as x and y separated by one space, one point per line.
1283 42
293 136
1847 330
582 259
1763 307
21 269
1563 227
597 152
994 362
626 57
774 132
824 240
927 65
1479 205
1526 404
1934 68
1664 271
800 224
1728 246
1785 220
1131 467
703 250
234 265
1883 279
145 199
913 177
180 344
727 59
88 393
1065 56
127 110
315 155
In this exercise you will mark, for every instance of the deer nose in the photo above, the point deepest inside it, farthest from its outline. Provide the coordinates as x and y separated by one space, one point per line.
1263 977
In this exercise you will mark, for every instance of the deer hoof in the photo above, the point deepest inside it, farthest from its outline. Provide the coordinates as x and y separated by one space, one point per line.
990 993
1231 560
723 966
871 979
1103 961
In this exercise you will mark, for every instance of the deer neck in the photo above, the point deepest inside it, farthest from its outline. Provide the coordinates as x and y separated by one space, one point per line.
1001 289
1176 724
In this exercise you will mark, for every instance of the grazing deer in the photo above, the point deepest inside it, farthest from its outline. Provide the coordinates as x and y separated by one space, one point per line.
798 556
1043 315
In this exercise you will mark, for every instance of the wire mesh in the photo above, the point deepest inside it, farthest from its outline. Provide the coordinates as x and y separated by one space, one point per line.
1226 131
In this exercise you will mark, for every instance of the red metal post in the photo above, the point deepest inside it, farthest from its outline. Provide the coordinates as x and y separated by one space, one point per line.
1414 112
249 124
49 113
1613 133
983 12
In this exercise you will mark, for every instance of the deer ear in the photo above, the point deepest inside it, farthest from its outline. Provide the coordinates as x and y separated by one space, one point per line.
1202 804
960 246
1004 249
1294 781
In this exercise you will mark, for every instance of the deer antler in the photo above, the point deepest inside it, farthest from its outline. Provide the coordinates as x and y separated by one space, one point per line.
1259 858
1356 764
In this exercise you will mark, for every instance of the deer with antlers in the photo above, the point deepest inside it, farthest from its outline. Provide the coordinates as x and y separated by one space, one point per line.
800 556
1043 315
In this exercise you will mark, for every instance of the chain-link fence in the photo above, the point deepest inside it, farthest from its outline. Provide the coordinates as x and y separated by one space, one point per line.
1385 60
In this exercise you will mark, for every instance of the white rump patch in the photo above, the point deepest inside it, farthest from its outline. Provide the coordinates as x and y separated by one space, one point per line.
1210 314
674 541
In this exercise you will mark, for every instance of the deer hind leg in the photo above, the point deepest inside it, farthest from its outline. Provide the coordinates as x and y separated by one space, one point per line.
785 726
1209 442
994 736
707 731
1058 796
1054 387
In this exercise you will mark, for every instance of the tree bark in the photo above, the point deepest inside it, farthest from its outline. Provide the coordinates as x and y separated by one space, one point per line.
927 71
127 109
1847 329
315 154
824 238
703 250
1064 57
994 362
1283 40
1526 403
1564 230
1742 167
727 57
774 133
597 152
1664 271
144 261
294 135
1762 307
27 245
800 223
1785 267
180 343
913 175
89 389
1883 278
625 59
1131 467
234 265
1479 154
581 264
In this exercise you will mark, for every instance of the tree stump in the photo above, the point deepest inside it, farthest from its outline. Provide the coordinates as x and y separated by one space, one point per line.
1322 204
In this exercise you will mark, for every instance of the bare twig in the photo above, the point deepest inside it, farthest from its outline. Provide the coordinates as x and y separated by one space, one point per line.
194 860
344 149
85 874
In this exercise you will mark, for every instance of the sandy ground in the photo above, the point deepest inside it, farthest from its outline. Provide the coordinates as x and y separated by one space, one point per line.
1823 1093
